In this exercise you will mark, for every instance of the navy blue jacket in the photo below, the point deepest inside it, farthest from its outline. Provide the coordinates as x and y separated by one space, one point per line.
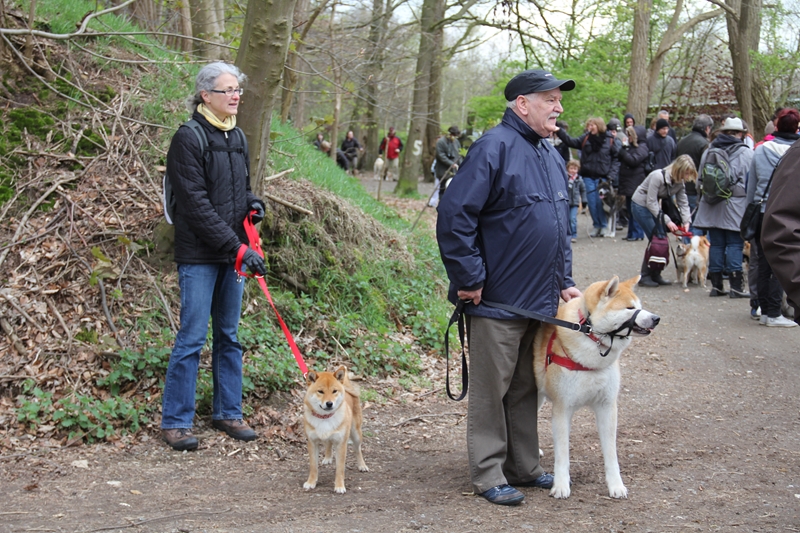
503 224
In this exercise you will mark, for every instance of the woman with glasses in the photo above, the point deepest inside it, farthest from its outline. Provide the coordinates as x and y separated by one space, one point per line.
208 168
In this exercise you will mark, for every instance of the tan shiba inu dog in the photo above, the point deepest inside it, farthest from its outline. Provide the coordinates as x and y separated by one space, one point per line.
575 370
331 415
693 259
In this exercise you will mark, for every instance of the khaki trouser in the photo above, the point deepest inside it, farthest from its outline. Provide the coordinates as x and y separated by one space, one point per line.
502 437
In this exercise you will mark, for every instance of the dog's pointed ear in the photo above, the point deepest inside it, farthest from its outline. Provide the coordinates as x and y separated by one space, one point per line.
633 281
311 377
611 287
341 373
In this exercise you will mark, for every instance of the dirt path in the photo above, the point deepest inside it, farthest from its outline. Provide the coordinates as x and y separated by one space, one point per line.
708 441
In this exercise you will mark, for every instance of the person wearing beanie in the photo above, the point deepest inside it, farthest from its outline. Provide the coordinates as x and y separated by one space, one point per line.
721 219
765 159
499 245
628 121
653 127
662 145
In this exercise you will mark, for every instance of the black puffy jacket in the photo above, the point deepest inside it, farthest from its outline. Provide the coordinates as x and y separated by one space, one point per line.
632 158
213 194
597 152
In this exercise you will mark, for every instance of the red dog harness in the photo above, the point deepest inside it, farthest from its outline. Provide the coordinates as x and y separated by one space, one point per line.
560 360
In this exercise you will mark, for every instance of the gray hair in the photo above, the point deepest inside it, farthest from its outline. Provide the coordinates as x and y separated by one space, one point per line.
701 122
206 80
512 104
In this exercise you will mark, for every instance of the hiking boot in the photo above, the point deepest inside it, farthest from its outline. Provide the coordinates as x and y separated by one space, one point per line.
780 322
736 286
658 279
716 284
235 429
179 439
647 281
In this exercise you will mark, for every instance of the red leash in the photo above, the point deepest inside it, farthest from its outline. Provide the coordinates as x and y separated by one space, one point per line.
255 244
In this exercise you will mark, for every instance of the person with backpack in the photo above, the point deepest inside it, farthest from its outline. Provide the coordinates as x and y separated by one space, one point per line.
765 159
597 153
659 185
721 182
209 172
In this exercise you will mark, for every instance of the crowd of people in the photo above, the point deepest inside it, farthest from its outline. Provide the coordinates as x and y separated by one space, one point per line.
672 185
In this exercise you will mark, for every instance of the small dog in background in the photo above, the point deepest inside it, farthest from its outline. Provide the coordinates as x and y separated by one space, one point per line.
331 415
613 204
692 261
377 168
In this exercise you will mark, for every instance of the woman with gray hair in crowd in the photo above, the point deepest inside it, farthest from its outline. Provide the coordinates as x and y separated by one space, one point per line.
209 171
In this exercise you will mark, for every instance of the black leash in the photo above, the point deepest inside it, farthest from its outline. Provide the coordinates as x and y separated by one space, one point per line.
458 316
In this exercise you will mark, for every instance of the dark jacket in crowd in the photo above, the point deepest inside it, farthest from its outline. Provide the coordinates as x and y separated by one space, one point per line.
597 152
693 145
663 148
632 159
504 223
446 154
350 147
213 197
613 172
781 226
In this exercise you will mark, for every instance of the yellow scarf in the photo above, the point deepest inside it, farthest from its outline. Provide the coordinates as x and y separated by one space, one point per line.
225 125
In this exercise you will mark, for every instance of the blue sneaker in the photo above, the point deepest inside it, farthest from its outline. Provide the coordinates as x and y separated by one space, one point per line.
504 495
545 481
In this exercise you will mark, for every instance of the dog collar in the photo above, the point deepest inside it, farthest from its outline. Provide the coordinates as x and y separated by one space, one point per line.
585 320
560 360
313 412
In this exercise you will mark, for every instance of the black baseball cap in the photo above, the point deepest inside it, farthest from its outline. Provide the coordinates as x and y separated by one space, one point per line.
535 81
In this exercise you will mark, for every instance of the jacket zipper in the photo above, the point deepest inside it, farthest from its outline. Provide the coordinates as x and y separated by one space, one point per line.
561 253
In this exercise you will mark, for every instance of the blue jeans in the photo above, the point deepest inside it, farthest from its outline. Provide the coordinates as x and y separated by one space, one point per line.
692 198
213 290
595 203
573 221
634 229
725 254
646 220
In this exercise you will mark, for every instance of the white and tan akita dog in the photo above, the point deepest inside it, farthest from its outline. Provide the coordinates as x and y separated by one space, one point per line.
575 370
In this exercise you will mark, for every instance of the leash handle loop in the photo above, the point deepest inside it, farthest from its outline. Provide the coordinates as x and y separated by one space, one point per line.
458 317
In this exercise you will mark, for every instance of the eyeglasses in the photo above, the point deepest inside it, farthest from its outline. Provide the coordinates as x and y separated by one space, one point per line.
229 91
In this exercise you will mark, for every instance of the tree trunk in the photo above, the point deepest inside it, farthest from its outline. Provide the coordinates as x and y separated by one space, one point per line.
410 165
744 34
376 56
644 76
291 78
337 86
262 54
639 86
206 26
434 125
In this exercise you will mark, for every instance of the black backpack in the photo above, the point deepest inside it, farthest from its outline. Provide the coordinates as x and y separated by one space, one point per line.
716 175
167 195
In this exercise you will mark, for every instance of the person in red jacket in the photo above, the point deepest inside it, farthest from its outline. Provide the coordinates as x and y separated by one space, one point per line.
390 150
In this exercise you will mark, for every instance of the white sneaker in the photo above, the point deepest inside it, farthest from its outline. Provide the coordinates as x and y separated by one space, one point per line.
755 314
762 320
780 322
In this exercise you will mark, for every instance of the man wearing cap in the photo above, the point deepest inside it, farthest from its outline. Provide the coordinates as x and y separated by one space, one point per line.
447 157
503 233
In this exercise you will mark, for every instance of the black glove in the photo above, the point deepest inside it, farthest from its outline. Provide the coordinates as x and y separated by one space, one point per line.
258 216
254 262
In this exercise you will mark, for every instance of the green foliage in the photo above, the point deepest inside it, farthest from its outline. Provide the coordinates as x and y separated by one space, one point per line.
80 415
134 366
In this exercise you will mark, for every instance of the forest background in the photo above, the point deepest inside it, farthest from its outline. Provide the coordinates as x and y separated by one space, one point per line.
92 94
